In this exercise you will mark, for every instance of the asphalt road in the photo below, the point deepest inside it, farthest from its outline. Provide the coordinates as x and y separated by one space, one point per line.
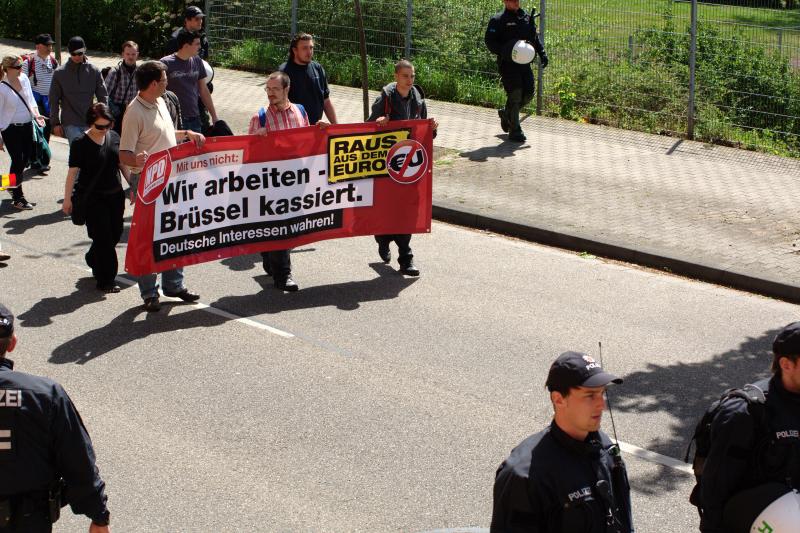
367 401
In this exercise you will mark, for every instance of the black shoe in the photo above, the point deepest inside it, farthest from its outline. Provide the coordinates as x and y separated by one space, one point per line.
152 305
384 252
517 137
111 288
287 284
504 125
4 257
267 268
409 270
184 295
22 204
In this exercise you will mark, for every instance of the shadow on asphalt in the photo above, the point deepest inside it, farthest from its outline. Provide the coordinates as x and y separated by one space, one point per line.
344 296
684 391
18 226
500 151
124 328
43 311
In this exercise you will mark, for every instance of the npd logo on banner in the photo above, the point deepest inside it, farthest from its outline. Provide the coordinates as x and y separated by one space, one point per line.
407 162
154 178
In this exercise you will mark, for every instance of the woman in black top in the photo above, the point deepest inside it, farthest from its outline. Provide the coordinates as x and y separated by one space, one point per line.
93 175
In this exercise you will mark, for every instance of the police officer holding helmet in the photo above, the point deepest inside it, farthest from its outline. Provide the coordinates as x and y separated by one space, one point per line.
46 456
568 478
503 35
754 457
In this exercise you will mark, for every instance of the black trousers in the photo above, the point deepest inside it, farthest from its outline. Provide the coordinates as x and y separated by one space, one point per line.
519 86
279 262
19 145
404 255
104 226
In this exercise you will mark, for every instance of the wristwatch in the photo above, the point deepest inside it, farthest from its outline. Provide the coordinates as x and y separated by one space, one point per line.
103 520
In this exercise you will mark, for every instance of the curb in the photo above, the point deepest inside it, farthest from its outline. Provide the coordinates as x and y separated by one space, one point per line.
682 267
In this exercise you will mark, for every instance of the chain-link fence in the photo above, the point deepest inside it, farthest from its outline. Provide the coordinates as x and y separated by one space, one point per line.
722 73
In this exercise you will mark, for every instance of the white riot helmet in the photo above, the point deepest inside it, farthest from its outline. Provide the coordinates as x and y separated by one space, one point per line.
523 52
776 509
781 515
209 77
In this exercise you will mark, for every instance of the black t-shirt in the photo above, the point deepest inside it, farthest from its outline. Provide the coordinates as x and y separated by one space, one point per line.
96 161
309 87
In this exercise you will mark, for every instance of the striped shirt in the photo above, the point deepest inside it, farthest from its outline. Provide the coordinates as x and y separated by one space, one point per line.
43 68
291 117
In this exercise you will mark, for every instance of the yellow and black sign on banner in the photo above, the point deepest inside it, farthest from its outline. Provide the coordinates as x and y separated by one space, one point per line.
355 157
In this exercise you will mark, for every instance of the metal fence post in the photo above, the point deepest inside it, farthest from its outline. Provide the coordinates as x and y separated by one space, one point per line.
780 41
540 76
692 69
208 21
294 17
409 20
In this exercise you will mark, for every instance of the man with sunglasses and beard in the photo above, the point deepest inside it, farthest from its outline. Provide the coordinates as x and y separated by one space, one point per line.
75 85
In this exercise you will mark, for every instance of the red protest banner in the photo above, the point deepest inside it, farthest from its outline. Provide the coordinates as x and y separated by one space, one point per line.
247 194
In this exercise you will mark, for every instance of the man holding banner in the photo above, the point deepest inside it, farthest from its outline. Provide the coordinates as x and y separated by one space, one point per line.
401 100
147 129
280 115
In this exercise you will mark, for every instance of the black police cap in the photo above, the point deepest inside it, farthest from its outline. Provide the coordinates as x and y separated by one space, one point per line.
6 322
576 369
787 342
192 12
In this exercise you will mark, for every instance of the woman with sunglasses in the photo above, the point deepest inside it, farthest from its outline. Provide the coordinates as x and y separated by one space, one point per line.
17 108
93 176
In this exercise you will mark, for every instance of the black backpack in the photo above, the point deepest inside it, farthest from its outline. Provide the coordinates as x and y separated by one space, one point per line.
756 399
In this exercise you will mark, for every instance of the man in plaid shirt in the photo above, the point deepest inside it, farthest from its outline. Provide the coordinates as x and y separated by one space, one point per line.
121 84
280 115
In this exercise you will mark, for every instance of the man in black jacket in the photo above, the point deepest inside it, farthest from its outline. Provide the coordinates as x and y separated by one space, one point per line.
46 455
747 453
504 30
569 477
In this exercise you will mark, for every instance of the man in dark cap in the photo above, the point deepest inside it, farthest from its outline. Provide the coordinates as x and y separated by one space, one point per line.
46 456
568 477
193 18
75 85
755 444
39 66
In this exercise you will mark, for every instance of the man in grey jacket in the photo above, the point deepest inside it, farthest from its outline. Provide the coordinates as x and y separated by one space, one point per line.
75 85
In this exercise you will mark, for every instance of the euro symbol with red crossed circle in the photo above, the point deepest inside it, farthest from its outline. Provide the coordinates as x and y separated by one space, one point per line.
407 162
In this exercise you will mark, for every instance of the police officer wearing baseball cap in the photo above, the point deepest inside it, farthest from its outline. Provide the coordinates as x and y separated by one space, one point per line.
46 456
568 478
747 453
193 18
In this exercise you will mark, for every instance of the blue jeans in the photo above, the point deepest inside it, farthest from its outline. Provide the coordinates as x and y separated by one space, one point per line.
192 123
148 284
72 132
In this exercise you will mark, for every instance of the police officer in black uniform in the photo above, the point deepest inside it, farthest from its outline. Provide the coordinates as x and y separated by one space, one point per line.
568 478
504 30
747 453
46 456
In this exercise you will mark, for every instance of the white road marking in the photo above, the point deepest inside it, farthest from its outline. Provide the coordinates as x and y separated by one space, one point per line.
653 457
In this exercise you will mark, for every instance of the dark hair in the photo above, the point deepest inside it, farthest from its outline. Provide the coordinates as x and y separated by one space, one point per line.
403 63
98 110
296 39
285 80
564 391
186 37
5 342
129 44
776 362
147 73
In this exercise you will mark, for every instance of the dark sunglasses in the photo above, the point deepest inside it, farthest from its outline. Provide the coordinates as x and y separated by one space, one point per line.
15 67
76 53
102 127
